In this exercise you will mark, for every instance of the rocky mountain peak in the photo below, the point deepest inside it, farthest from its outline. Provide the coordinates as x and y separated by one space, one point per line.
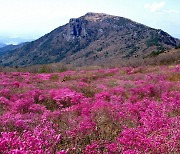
90 16
76 29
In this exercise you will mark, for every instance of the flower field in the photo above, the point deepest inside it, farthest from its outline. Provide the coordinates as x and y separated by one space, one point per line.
120 110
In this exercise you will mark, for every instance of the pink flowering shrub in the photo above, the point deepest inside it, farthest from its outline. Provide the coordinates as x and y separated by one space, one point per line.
120 110
65 97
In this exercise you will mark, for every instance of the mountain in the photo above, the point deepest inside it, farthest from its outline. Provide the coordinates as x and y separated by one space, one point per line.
94 38
9 48
2 45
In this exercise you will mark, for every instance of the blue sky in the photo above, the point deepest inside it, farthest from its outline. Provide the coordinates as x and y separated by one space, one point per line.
34 18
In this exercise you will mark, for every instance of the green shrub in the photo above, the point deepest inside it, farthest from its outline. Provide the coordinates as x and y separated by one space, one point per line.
155 53
152 42
54 77
43 69
177 47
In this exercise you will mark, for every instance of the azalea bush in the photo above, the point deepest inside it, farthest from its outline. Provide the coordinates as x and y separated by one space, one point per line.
120 110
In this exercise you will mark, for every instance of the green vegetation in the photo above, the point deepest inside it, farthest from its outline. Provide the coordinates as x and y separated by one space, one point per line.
155 53
43 69
177 47
132 51
152 42
89 53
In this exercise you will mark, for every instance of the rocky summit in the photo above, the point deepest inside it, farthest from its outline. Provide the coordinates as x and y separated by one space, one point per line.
92 39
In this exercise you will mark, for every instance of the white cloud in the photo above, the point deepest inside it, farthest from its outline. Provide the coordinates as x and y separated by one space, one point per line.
155 6
159 7
173 11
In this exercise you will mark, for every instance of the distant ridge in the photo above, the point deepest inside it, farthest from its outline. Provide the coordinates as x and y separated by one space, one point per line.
95 38
2 45
9 48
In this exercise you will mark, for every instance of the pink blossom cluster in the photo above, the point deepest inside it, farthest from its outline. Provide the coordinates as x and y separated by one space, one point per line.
120 110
